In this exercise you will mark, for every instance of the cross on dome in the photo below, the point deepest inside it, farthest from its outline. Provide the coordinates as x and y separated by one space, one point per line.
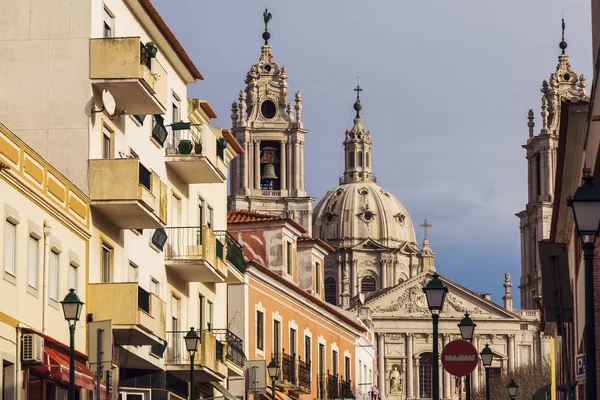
425 225
357 105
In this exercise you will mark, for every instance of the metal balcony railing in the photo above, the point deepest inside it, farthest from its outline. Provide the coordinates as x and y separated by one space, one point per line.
288 368
234 250
184 242
345 387
235 345
304 375
322 386
185 131
332 386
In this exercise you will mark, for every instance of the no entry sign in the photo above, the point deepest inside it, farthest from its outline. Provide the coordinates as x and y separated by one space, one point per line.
459 357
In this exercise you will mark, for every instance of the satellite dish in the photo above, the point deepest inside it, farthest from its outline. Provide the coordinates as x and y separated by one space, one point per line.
108 101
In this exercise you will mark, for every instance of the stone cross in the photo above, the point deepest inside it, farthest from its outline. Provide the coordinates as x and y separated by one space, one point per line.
425 226
358 89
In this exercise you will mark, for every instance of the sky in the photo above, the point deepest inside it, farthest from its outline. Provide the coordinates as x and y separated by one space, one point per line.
447 85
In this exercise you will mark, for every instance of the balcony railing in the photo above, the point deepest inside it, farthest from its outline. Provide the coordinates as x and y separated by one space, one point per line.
234 250
235 345
333 389
322 386
355 179
288 369
345 387
209 349
304 375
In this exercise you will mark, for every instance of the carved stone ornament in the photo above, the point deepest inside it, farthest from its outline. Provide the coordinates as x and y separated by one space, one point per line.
400 218
412 300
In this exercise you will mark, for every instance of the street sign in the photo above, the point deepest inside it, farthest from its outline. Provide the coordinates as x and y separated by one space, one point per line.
580 368
459 357
106 356
256 376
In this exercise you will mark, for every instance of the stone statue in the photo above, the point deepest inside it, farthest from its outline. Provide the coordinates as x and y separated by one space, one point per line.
395 380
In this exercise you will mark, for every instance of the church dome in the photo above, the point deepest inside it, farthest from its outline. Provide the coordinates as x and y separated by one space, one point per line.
359 211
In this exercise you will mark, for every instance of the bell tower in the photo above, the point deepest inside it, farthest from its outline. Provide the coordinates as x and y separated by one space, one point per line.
541 149
269 176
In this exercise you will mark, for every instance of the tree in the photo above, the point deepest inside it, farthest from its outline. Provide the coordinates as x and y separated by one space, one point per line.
529 378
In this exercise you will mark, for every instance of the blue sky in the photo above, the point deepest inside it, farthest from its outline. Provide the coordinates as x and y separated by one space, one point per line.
447 86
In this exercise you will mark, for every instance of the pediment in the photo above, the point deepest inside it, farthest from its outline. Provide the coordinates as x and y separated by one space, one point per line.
407 299
369 244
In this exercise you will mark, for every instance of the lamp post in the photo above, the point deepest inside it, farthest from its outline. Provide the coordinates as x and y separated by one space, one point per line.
435 291
192 339
487 355
467 330
273 369
585 204
512 389
72 307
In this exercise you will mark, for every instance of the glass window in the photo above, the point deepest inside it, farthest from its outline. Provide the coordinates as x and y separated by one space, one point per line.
318 277
347 368
209 216
293 337
360 159
175 116
368 284
32 262
276 336
289 254
331 291
106 143
154 286
307 349
351 159
425 362
10 234
72 277
53 276
334 362
201 311
106 264
133 272
109 24
209 315
260 326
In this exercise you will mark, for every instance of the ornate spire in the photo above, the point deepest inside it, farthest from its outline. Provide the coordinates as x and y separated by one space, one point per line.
530 123
427 255
357 105
563 44
267 17
357 148
508 298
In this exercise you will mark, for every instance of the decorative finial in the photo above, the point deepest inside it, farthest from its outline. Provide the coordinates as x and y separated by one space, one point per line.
425 225
530 123
357 105
267 17
563 44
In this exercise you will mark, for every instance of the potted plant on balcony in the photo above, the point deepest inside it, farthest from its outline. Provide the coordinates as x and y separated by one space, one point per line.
197 147
151 49
185 146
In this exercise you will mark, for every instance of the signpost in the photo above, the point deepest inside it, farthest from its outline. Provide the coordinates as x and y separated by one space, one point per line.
459 357
580 368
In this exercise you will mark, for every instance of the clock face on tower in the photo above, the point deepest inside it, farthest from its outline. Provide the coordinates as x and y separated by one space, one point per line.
268 109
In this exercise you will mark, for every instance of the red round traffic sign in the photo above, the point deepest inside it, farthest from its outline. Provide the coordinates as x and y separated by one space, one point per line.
459 357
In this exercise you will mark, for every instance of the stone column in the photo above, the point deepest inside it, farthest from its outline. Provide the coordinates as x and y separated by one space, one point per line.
396 273
442 382
297 165
245 170
290 163
383 269
475 373
417 373
353 278
257 164
283 161
381 364
409 365
301 162
511 353
446 375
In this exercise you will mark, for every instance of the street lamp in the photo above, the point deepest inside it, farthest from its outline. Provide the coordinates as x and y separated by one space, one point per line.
273 369
435 291
487 355
585 204
72 307
192 339
512 389
467 330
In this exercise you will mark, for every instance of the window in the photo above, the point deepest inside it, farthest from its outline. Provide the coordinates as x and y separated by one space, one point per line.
368 284
260 330
425 362
209 216
321 358
53 276
331 291
10 234
72 276
209 315
201 311
200 212
106 264
293 338
32 261
351 159
107 151
8 380
109 24
318 277
159 238
347 368
495 373
132 273
360 159
288 246
175 116
175 326
159 132
307 349
334 362
276 330
538 175
154 286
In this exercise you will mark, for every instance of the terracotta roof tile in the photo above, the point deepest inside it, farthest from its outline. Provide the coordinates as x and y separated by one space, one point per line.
247 217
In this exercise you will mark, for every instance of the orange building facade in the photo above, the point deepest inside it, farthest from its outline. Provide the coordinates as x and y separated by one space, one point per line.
286 317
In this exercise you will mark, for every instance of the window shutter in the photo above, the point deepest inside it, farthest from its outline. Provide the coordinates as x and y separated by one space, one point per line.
32 260
159 238
9 247
72 277
53 279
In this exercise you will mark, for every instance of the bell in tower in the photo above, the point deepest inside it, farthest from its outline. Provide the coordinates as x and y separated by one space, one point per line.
269 176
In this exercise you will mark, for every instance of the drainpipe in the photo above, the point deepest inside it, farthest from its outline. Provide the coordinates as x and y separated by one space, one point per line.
47 232
18 383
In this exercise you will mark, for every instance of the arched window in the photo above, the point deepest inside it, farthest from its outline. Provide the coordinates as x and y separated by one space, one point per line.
425 362
360 159
331 291
351 159
367 159
368 284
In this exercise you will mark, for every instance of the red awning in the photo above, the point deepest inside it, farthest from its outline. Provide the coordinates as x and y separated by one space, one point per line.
56 366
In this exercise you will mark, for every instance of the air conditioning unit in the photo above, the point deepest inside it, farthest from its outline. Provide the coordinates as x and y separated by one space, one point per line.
33 348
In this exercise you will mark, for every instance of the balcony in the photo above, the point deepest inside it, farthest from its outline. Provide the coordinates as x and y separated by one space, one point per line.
209 362
304 376
137 82
333 388
234 257
195 254
234 348
188 154
138 317
128 194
